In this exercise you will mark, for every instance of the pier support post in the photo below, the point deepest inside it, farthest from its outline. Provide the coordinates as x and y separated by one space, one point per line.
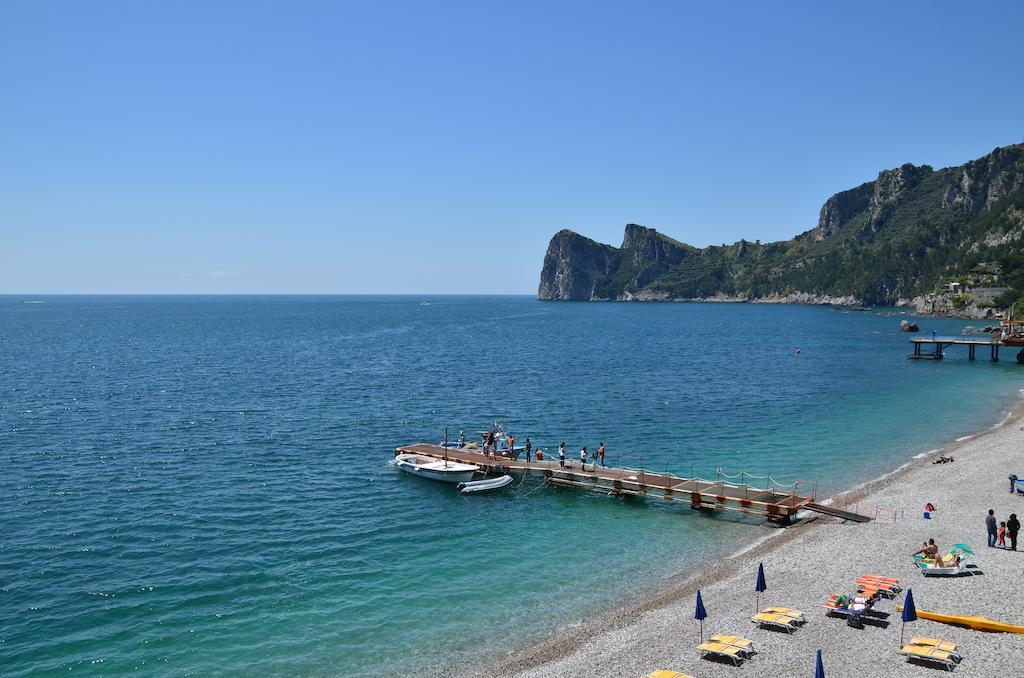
995 353
970 351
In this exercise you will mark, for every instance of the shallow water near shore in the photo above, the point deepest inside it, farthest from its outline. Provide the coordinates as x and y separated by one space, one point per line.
203 485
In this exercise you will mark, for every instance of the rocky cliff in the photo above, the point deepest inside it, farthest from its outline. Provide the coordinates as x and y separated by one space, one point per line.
883 242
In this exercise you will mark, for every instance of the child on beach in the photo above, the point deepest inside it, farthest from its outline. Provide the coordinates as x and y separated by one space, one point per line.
1001 535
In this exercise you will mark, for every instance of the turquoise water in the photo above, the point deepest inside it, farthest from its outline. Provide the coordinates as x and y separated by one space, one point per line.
202 485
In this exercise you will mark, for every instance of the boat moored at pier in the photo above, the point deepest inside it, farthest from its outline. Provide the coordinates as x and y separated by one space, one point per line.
436 469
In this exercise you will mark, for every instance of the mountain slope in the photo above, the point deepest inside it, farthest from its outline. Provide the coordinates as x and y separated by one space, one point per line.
883 242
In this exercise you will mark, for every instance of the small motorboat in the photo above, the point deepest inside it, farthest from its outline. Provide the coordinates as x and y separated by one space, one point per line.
436 469
485 484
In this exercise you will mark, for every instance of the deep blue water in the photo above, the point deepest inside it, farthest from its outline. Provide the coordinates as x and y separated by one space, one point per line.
202 485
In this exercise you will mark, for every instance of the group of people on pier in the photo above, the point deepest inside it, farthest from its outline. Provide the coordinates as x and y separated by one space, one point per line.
491 448
598 456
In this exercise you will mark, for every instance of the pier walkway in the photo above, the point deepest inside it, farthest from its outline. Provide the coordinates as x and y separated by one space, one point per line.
940 344
774 504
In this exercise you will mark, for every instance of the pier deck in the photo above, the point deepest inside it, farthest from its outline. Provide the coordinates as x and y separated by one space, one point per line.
940 344
774 504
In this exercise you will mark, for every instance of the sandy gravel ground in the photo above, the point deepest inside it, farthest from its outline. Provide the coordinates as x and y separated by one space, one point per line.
806 562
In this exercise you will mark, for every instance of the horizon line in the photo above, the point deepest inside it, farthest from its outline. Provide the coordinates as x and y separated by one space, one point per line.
267 294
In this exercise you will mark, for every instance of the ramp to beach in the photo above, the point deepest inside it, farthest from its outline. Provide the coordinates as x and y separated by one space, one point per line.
773 503
836 512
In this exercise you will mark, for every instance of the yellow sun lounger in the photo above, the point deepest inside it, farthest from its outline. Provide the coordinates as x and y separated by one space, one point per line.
937 644
930 654
795 614
744 644
782 621
721 650
663 673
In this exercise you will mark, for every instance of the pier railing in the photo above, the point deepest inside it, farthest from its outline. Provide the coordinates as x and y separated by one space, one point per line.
853 501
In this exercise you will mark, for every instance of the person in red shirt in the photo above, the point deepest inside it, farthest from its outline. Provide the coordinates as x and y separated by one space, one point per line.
600 453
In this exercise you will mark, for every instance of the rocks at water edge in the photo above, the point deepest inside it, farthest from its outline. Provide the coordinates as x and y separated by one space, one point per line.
907 326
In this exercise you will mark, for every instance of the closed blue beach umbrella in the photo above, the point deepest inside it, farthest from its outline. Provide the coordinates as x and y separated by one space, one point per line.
700 614
909 612
819 668
760 587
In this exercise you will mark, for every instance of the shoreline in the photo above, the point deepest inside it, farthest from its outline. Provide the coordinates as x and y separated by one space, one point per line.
547 656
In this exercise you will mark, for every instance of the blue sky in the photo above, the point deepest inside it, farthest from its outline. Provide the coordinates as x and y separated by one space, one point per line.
436 147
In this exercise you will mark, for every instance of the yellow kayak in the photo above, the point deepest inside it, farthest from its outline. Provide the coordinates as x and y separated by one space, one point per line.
972 622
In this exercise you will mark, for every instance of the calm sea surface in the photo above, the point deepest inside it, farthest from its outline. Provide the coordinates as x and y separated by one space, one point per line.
203 485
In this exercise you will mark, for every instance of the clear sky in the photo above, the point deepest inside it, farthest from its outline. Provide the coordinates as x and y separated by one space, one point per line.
435 147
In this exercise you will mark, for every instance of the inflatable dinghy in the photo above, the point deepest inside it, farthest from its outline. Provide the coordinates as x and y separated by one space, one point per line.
486 484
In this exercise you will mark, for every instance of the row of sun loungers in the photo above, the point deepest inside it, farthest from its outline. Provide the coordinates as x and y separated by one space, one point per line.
736 648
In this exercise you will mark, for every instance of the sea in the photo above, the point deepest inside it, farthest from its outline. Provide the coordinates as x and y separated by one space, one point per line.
205 485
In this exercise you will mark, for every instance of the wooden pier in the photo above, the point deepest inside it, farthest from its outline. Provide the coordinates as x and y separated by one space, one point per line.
774 504
940 344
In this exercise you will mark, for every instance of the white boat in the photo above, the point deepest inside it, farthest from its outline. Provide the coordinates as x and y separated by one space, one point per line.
486 484
436 469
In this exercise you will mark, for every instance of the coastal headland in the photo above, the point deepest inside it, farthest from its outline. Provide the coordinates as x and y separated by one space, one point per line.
807 562
946 242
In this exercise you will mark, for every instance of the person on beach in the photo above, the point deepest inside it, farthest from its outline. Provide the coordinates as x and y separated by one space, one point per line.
583 458
529 446
1012 528
1001 536
990 524
1013 482
561 455
928 549
600 452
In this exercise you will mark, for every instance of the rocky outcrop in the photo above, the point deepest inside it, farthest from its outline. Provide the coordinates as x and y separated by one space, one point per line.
573 267
983 182
891 185
840 208
650 254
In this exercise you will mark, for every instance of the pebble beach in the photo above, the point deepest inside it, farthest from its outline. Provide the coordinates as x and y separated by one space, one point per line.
821 555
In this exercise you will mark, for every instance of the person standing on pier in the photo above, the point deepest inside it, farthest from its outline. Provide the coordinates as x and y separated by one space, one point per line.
600 453
529 446
561 455
583 458
511 445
